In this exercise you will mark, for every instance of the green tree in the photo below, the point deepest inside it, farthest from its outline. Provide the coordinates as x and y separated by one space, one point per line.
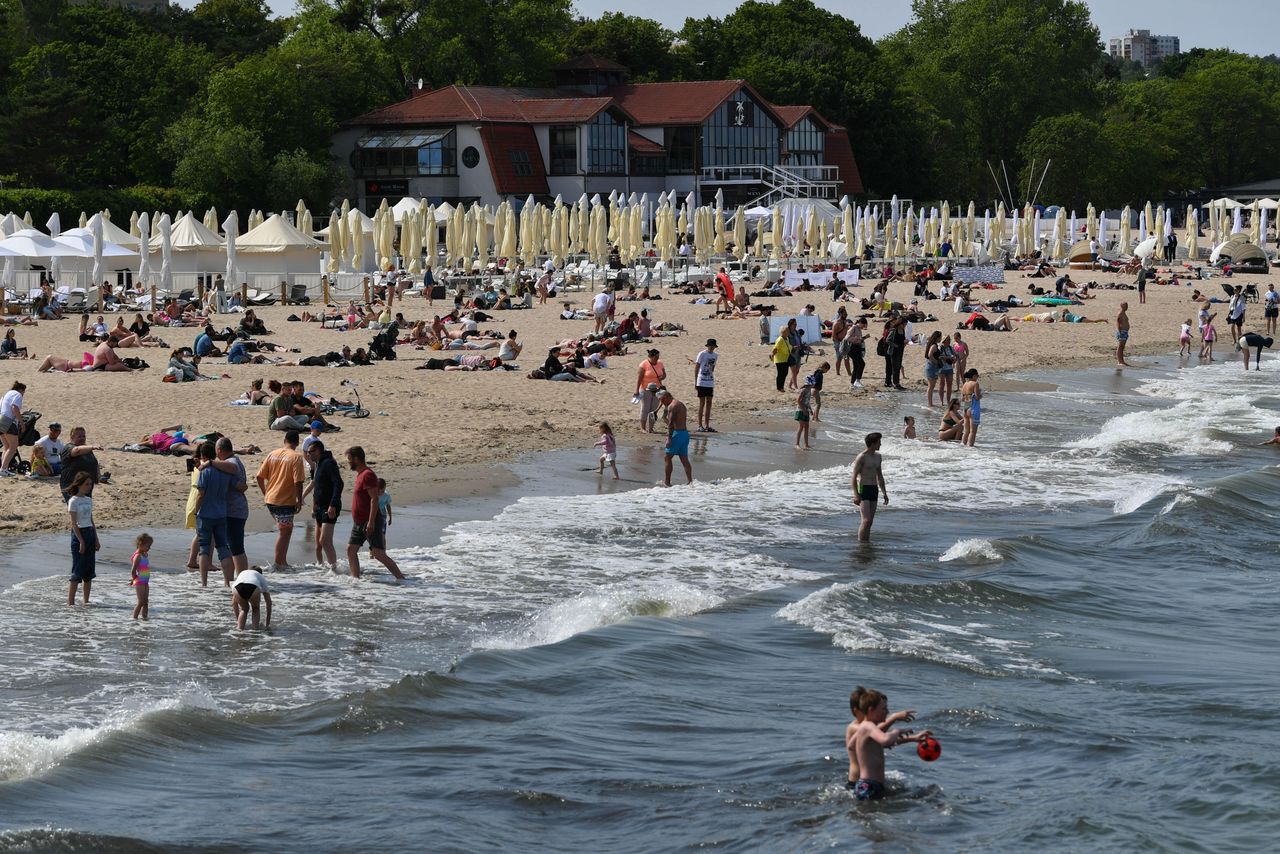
639 44
298 175
989 69
225 163
236 28
85 109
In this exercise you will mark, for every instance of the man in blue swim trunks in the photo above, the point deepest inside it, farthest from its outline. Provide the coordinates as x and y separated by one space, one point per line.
677 436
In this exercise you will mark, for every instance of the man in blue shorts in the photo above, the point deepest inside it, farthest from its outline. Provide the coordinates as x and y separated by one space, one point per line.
677 436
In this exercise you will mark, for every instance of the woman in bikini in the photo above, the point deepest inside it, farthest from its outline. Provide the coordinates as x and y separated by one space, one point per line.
971 395
952 426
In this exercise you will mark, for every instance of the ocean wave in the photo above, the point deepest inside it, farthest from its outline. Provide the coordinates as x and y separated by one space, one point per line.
893 618
973 550
604 607
24 755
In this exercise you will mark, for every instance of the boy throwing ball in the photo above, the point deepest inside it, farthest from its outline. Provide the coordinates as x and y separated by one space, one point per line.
867 737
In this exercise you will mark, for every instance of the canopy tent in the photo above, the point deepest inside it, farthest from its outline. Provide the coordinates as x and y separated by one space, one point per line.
276 246
1224 202
29 243
1268 204
112 233
1079 255
1244 256
193 247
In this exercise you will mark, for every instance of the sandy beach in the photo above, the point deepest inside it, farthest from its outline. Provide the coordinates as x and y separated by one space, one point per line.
434 433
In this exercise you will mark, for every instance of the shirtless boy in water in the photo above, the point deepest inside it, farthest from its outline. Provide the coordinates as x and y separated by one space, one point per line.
868 485
867 737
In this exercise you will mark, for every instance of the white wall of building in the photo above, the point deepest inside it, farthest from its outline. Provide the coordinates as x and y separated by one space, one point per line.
479 180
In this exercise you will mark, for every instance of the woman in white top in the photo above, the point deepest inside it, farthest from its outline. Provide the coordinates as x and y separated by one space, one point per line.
11 425
84 537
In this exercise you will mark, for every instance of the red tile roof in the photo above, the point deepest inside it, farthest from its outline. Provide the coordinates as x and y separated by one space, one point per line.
572 110
642 144
506 145
453 104
791 116
838 152
686 103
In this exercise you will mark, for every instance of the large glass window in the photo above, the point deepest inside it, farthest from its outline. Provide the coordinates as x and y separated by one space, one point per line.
607 147
805 144
740 133
681 149
564 150
383 154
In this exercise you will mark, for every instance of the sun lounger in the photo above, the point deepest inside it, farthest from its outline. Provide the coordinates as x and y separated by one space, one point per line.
257 297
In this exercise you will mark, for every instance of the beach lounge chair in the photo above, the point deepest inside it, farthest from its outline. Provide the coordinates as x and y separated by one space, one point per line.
257 297
76 300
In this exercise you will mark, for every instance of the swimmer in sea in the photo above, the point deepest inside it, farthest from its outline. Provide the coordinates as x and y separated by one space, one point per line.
909 432
868 485
1274 440
867 737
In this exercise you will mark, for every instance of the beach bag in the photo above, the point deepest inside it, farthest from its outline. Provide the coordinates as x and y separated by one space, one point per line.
882 346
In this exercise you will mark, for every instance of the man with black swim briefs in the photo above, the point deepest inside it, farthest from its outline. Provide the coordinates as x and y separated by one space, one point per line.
247 594
868 485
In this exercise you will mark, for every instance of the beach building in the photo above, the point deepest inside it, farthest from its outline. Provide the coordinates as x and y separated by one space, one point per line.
1142 47
594 132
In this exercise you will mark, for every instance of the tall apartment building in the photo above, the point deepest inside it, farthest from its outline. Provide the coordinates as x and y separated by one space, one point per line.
1143 48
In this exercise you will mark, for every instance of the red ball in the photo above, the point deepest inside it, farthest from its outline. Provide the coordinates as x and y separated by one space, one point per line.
929 749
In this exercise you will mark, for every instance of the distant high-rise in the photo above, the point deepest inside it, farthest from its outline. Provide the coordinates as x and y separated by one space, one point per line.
1144 48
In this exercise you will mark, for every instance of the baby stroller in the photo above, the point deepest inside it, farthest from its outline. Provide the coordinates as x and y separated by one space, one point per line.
30 433
383 345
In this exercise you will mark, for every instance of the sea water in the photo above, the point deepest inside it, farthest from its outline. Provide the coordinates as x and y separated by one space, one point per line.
1081 608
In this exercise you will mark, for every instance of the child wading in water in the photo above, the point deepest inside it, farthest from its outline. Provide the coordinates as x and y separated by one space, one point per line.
140 574
609 452
867 737
84 538
1209 335
804 412
1184 338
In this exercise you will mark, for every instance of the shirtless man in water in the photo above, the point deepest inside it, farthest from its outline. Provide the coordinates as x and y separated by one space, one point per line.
868 485
677 436
1122 333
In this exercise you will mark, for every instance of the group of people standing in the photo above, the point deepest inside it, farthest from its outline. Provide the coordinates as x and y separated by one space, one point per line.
218 509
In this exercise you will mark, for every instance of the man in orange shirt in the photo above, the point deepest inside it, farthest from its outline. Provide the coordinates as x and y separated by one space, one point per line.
281 477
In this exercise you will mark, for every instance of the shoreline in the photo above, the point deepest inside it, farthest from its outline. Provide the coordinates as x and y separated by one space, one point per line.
441 495
441 435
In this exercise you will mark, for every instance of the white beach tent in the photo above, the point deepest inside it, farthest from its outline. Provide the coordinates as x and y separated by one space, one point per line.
114 256
195 249
405 207
112 233
276 246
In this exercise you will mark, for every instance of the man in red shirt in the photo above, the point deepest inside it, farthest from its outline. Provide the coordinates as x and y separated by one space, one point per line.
366 522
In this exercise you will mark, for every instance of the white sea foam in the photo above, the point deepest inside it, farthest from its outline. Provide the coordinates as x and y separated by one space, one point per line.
973 550
24 755
863 616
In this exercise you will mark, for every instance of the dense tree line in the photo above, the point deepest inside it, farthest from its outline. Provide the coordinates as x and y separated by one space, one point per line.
225 104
